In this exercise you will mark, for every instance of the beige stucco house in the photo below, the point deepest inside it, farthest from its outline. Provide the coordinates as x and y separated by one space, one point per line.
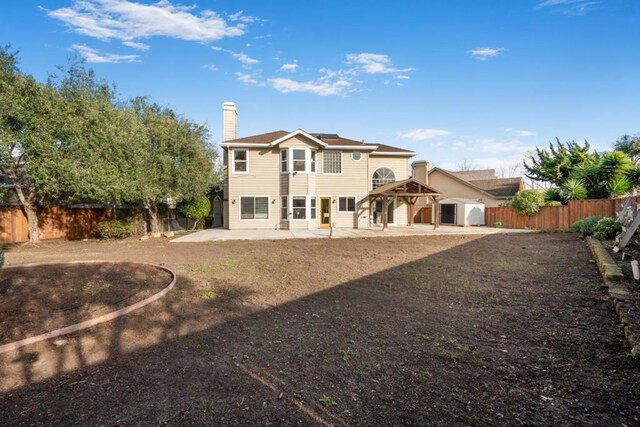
303 180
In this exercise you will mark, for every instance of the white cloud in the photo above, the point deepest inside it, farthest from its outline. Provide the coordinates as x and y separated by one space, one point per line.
240 16
210 67
424 134
249 79
136 45
401 77
569 7
128 21
293 67
484 53
93 56
242 57
525 133
374 63
318 87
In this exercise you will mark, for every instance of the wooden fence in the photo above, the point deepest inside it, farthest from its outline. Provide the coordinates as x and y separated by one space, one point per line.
556 217
54 222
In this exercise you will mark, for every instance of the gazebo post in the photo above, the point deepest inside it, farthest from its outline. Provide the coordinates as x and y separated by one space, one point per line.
436 221
384 212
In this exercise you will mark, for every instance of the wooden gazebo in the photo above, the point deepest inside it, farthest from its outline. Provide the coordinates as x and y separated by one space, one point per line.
409 190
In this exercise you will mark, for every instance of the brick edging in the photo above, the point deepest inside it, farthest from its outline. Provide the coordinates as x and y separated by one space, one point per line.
91 322
618 292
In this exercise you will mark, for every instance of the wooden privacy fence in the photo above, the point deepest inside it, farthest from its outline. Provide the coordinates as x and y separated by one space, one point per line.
53 221
556 217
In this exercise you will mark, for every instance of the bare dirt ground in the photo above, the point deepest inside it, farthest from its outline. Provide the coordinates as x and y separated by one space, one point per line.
39 299
471 330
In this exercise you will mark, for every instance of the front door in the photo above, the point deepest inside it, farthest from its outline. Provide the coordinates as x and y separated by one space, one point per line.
325 212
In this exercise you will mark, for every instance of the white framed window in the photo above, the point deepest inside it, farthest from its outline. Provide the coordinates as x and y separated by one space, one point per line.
346 203
312 207
312 161
254 207
299 160
284 208
356 156
283 161
299 207
240 161
382 176
332 162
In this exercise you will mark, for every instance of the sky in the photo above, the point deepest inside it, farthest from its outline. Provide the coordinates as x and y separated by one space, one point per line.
456 81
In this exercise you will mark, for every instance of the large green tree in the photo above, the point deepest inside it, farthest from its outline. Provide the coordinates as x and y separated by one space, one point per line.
578 173
178 162
630 145
34 156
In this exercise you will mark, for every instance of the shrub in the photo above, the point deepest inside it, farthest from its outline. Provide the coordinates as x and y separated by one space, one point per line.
586 225
115 229
553 203
196 209
527 202
552 195
607 228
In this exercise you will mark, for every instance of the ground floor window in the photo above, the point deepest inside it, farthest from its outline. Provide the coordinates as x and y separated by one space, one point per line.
312 207
284 208
254 207
346 204
299 207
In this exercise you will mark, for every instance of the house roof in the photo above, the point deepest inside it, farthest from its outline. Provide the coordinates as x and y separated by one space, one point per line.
500 186
476 174
327 140
497 188
406 186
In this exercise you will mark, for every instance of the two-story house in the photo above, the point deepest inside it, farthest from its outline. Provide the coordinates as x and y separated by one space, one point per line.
301 180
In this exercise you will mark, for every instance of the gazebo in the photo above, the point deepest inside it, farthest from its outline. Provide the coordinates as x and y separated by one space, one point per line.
408 190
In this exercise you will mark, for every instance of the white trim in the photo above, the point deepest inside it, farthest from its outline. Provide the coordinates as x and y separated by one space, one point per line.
307 207
243 144
290 160
390 153
347 212
268 218
286 171
375 170
341 165
359 152
233 162
296 133
352 147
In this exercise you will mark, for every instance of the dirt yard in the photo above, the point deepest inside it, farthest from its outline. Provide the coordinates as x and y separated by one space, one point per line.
462 330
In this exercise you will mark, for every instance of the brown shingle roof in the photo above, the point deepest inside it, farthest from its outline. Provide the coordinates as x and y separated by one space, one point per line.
500 187
476 174
328 138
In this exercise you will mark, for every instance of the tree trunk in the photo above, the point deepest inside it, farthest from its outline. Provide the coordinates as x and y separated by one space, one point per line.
153 219
195 224
29 210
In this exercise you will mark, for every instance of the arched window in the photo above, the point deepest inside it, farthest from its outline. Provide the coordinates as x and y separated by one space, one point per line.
381 177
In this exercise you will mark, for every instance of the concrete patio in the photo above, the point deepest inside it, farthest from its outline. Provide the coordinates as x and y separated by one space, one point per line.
220 234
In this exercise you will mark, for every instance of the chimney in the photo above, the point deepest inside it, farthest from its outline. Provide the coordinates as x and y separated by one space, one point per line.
229 121
420 171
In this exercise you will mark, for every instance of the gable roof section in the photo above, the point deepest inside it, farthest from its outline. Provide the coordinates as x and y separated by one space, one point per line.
406 186
329 141
497 188
476 174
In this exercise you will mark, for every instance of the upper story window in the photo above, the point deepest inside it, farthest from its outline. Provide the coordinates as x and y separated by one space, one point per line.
283 161
356 156
332 162
240 161
299 160
382 176
312 161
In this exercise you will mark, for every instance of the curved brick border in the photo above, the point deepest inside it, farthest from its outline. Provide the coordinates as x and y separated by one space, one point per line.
617 291
91 322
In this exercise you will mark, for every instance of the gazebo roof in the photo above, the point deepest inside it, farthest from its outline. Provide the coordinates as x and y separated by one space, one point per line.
407 187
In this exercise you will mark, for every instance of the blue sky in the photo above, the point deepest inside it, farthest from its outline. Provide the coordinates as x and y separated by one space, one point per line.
479 80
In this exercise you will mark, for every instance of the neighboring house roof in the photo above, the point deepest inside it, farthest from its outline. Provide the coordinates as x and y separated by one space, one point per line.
326 140
476 174
461 200
497 188
500 186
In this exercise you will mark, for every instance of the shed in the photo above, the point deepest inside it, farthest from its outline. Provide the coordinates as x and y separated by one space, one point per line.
461 212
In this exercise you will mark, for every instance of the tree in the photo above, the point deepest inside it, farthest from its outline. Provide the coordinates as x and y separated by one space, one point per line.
177 161
577 173
527 202
196 209
466 165
34 156
630 145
